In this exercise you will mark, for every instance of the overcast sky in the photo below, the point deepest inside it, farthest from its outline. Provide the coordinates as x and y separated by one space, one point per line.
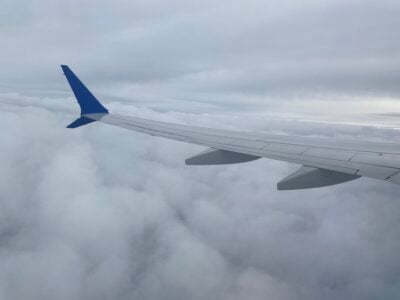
103 213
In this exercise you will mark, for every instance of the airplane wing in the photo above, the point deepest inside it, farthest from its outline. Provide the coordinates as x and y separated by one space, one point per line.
323 162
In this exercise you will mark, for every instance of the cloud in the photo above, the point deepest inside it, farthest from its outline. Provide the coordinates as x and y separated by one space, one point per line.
100 212
187 50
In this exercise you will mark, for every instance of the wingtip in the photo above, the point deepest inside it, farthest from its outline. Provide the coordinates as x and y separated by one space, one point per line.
86 100
64 67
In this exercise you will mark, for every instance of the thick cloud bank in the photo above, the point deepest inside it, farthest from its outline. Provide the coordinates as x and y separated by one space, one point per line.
103 213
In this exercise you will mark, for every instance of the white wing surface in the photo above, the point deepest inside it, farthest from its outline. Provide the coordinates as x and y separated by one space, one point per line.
324 161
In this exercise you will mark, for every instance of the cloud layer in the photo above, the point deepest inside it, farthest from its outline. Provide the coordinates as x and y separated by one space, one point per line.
104 213
205 50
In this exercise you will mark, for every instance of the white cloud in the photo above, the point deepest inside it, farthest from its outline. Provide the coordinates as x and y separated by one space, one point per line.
99 212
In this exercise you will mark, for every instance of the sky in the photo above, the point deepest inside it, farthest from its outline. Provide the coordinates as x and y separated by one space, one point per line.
100 212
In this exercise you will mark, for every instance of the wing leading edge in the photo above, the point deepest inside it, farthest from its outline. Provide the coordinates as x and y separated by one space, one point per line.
325 161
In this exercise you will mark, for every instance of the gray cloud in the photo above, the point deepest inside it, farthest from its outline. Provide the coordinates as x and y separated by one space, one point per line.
250 47
103 213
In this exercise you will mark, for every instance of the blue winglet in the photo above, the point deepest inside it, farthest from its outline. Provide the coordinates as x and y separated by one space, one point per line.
80 122
88 103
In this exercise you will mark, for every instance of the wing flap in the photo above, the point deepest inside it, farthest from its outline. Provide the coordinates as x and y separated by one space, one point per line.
343 155
285 148
377 159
